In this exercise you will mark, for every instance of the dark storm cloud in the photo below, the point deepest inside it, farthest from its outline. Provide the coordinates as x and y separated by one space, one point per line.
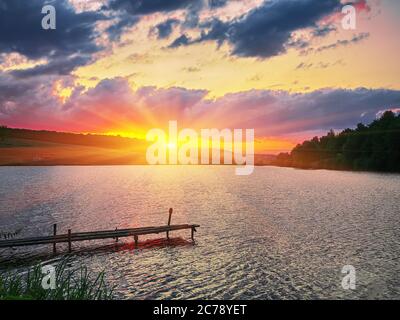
130 10
217 3
73 40
266 30
21 31
124 21
322 31
143 7
11 89
59 66
164 29
181 41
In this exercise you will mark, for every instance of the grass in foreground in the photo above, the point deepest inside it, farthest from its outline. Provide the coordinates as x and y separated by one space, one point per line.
76 284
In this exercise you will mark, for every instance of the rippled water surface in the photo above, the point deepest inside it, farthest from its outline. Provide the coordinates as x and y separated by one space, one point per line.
277 234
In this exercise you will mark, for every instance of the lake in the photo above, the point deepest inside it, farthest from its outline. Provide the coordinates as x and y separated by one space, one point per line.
279 233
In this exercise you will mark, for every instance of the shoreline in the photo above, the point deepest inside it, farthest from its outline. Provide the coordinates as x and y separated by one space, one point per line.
188 165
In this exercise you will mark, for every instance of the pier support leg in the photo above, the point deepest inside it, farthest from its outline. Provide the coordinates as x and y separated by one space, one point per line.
69 241
54 234
193 231
136 241
169 220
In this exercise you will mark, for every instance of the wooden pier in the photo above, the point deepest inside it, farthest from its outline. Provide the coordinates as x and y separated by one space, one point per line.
96 235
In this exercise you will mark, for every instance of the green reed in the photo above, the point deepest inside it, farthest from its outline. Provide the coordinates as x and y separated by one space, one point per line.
71 284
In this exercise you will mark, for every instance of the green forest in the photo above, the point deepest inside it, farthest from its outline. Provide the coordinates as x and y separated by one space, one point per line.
373 147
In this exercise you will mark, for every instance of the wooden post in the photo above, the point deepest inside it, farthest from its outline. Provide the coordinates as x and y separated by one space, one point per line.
69 240
136 241
116 239
54 234
193 230
169 220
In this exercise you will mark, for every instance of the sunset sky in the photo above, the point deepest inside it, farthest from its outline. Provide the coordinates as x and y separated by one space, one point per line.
286 68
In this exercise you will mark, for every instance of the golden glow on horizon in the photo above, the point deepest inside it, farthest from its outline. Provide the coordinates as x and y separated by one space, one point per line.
269 145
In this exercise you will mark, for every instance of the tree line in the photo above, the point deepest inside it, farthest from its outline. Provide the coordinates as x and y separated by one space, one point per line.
94 140
372 147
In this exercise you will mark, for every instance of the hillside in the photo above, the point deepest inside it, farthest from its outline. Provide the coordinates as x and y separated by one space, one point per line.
29 147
